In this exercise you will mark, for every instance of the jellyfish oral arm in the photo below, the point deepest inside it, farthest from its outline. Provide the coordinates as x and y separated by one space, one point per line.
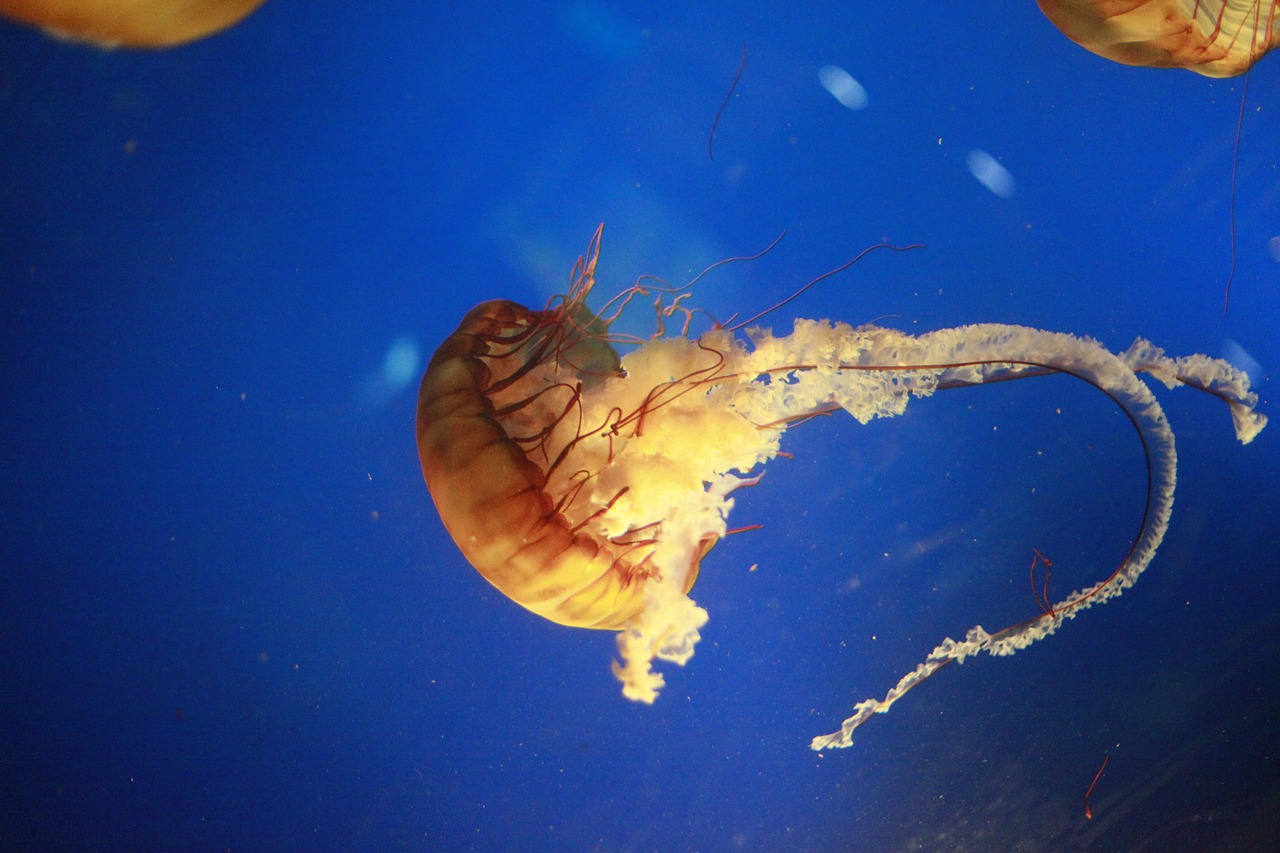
1210 375
667 629
997 353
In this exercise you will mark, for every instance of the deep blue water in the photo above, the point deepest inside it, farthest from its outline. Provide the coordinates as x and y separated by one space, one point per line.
233 621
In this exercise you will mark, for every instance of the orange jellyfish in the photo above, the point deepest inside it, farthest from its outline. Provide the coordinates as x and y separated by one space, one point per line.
588 487
131 23
1216 38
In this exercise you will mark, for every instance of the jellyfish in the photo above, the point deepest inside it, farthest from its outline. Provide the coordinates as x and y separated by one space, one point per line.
589 486
131 23
1221 38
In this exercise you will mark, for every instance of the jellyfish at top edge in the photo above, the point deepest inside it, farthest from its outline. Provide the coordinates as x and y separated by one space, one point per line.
588 487
1221 38
130 23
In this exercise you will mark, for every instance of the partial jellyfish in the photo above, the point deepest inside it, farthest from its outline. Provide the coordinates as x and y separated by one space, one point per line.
589 487
1218 38
129 23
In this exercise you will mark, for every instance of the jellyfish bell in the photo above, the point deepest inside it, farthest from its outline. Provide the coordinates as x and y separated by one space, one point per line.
588 487
129 23
1221 38
495 404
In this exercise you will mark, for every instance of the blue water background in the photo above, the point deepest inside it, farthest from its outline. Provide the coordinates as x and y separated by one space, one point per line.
231 619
